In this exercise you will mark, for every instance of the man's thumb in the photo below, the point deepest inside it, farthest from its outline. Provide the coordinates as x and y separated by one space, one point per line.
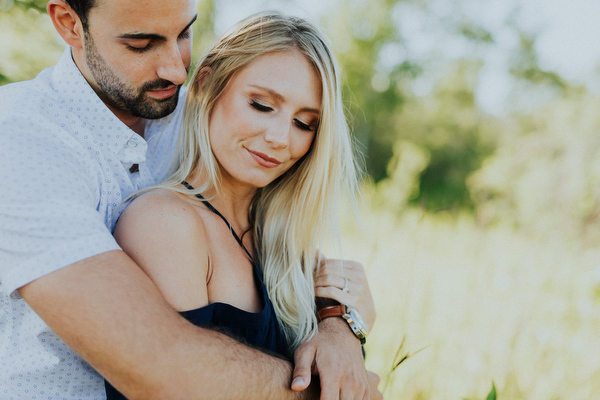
302 370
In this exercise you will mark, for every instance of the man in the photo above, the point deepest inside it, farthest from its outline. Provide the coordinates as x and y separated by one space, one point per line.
74 142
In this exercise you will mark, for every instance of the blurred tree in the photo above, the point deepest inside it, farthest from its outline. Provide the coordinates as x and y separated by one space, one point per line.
545 174
525 65
203 28
38 5
457 134
3 80
25 51
422 145
446 123
360 31
404 169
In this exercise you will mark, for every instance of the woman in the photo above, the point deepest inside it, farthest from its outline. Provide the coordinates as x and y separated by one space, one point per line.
231 237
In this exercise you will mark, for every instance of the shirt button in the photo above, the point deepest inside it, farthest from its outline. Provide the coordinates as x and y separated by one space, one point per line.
132 143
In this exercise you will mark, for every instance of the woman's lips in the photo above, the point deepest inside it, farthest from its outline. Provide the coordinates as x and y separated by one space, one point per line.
263 159
163 93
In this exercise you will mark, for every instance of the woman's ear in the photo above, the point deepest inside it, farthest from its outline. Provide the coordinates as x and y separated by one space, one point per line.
202 78
66 22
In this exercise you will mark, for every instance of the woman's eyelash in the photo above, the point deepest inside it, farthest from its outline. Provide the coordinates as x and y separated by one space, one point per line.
260 107
299 124
303 126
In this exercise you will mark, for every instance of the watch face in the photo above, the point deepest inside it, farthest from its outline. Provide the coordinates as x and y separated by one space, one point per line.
357 324
357 317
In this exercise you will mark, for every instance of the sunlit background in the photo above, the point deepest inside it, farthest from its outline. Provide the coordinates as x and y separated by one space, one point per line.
480 232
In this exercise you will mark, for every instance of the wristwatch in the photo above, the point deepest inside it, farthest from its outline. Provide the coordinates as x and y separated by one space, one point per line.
355 321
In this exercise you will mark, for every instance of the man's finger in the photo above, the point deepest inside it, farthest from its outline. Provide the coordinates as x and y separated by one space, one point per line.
303 360
330 390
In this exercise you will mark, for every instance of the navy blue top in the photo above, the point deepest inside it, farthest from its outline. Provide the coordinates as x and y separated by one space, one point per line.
257 329
260 329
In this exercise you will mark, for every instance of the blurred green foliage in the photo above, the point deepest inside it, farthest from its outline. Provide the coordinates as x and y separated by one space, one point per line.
545 174
457 135
29 41
365 28
38 5
434 147
492 395
447 123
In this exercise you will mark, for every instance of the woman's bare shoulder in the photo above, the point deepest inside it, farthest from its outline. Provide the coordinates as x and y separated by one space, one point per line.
160 207
164 234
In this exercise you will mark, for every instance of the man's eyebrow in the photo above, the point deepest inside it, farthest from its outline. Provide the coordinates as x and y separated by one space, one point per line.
154 36
190 24
279 97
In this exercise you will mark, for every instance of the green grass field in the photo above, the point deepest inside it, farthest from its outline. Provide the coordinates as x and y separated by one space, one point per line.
487 305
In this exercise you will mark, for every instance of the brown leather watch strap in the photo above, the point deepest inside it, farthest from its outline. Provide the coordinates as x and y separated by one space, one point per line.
332 311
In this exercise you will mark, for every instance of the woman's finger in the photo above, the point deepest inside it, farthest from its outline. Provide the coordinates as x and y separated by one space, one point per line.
345 282
332 280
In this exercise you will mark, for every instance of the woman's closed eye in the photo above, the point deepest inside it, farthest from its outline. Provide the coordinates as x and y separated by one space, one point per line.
311 127
305 127
261 107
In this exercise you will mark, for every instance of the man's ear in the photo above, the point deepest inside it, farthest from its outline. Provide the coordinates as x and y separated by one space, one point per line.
66 22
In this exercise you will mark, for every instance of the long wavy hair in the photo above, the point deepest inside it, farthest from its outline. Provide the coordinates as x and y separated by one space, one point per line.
296 214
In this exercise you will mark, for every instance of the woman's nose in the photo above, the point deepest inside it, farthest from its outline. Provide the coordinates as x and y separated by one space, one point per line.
278 135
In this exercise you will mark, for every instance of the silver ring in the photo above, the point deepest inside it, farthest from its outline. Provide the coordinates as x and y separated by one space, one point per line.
345 289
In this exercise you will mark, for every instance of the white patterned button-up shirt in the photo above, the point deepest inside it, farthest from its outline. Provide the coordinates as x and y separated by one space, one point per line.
64 169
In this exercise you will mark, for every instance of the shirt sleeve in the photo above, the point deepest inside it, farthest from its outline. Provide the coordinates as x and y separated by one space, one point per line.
49 195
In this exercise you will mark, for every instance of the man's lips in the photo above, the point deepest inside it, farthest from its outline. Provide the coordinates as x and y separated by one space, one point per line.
263 159
163 93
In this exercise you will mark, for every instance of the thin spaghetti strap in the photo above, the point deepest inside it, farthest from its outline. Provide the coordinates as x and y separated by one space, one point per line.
214 210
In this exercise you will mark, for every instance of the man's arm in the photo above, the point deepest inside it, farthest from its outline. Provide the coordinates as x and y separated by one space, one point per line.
108 311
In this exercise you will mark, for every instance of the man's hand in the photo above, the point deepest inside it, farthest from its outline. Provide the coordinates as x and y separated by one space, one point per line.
335 355
373 383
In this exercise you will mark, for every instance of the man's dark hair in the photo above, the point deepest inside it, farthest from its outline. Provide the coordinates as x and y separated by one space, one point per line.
82 9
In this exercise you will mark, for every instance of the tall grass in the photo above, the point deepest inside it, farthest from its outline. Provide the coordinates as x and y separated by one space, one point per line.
485 304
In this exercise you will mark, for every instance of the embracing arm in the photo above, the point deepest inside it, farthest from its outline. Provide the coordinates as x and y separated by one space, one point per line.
111 313
108 311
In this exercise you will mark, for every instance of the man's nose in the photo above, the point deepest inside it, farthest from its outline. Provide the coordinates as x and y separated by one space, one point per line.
172 67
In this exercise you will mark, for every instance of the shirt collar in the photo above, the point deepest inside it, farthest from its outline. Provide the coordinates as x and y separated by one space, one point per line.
95 118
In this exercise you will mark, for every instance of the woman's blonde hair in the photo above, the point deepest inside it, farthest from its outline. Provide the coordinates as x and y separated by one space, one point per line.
294 215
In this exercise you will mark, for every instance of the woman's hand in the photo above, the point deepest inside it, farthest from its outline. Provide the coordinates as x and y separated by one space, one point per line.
345 281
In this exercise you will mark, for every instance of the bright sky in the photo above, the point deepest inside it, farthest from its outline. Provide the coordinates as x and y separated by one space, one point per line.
569 42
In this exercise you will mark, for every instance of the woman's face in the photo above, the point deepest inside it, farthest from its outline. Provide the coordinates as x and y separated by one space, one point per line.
265 119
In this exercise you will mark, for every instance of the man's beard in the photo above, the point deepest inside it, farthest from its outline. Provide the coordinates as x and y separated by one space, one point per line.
118 94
